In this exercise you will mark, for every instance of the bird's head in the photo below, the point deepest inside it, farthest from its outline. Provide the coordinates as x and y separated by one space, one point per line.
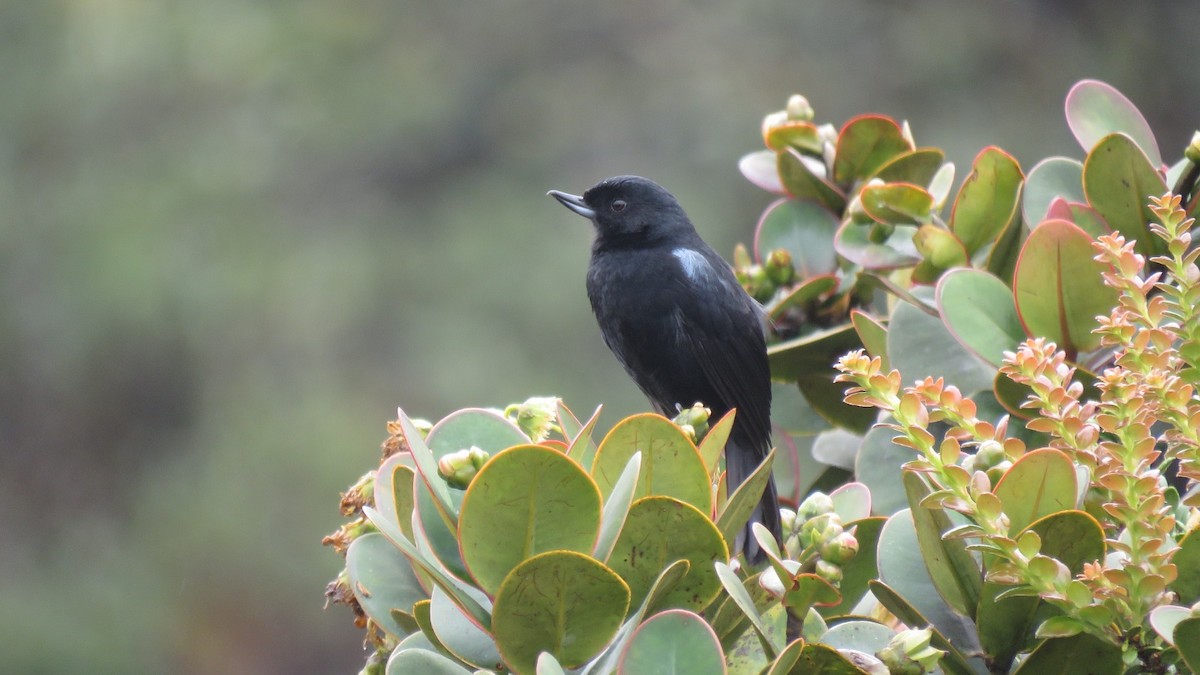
629 210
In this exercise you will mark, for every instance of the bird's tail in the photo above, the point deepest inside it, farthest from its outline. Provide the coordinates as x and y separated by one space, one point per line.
741 459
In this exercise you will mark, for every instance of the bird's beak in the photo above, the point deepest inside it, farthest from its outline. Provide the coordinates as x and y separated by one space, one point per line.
573 202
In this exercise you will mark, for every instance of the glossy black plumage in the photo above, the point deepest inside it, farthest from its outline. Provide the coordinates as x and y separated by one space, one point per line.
676 318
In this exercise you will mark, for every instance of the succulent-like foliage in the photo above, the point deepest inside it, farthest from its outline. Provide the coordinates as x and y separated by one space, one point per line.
1009 483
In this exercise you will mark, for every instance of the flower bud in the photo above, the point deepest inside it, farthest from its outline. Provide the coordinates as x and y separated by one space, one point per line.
458 468
799 109
840 549
536 416
817 503
693 421
1192 152
829 572
909 653
779 267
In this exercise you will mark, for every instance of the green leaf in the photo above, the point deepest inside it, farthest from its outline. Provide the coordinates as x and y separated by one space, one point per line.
548 665
787 658
393 493
878 467
1049 179
407 661
954 662
1072 537
801 183
1039 483
854 242
674 642
804 293
616 508
920 345
861 569
526 500
867 637
952 569
1005 624
793 133
660 530
741 503
819 658
865 144
1081 654
1187 641
917 167
1087 218
382 580
582 447
903 569
1095 110
1187 561
808 361
443 541
873 335
761 169
426 463
978 310
738 595
560 602
988 199
463 638
667 579
1002 256
1119 180
1165 618
478 613
852 502
1058 287
671 463
712 446
803 228
897 203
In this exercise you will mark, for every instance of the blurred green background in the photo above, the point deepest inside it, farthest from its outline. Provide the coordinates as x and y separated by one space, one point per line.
234 236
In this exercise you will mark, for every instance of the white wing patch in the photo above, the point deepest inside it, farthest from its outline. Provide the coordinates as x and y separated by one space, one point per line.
693 263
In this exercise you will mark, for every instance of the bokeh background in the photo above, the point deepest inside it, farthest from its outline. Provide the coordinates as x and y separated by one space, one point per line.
234 236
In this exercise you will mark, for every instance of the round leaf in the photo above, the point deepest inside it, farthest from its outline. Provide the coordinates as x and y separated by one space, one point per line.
526 500
854 243
459 634
673 642
978 310
1119 180
1058 286
413 660
801 182
1039 483
658 531
864 145
382 580
671 464
868 637
917 167
804 229
761 169
1095 110
1048 179
987 200
559 602
920 345
878 467
897 203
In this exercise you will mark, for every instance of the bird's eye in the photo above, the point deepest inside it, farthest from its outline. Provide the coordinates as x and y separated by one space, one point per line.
619 205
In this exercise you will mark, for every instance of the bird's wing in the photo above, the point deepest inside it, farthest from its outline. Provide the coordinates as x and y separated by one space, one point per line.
726 339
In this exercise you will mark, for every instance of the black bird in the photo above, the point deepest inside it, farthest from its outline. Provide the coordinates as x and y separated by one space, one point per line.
677 319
